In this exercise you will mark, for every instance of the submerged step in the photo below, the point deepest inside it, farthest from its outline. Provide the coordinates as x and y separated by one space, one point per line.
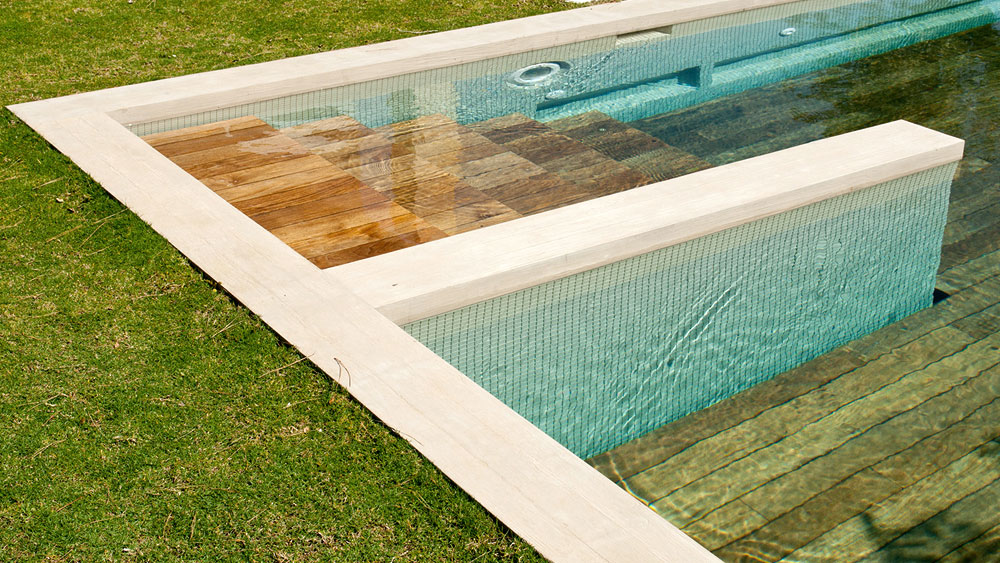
634 148
397 168
490 167
317 208
573 161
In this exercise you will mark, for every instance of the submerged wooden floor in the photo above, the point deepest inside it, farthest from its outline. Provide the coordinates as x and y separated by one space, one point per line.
888 448
337 191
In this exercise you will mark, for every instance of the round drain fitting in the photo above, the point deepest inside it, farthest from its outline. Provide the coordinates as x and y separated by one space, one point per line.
536 74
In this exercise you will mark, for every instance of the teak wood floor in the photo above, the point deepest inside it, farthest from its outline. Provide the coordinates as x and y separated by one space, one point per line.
337 191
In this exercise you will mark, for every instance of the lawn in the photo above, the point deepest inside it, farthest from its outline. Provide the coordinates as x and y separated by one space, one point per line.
145 415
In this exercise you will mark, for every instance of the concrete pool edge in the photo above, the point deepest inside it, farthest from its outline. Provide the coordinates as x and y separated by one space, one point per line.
554 500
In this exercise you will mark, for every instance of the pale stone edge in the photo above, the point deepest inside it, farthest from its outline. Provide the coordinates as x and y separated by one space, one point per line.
196 93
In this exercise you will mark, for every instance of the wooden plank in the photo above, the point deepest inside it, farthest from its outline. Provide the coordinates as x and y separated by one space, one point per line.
827 509
362 199
321 211
352 153
537 194
634 148
390 160
470 217
980 548
481 164
667 163
792 450
339 233
982 325
568 158
377 247
323 228
156 140
172 150
264 172
972 222
268 149
735 443
421 130
268 189
870 530
314 134
458 149
968 274
981 242
941 534
780 500
669 440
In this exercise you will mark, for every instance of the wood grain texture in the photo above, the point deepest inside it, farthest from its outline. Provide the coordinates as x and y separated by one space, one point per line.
403 161
577 163
315 207
634 148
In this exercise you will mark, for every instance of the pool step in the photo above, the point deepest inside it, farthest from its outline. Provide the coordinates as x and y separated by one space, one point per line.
573 161
634 148
400 171
517 182
317 208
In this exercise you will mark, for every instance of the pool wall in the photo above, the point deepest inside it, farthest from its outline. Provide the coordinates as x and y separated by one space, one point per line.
346 321
655 71
601 357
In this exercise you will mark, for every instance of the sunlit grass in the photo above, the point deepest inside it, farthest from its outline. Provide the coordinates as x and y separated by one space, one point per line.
143 414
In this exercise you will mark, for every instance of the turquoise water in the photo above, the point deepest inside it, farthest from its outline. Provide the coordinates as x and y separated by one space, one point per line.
632 79
602 357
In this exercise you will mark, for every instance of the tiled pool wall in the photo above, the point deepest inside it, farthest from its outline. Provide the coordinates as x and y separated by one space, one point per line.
601 357
632 76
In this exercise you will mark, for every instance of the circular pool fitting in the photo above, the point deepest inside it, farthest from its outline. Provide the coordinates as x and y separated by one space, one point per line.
787 31
536 74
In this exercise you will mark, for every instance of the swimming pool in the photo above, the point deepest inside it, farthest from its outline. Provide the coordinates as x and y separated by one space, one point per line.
550 239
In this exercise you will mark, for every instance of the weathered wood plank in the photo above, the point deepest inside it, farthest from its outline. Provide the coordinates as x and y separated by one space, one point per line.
979 243
980 548
268 148
575 162
846 419
781 500
173 150
316 134
973 222
634 148
947 530
285 216
264 172
340 232
376 247
274 191
739 441
323 228
157 140
911 506
968 274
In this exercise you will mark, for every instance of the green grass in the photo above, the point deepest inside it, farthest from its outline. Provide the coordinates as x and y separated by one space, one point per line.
143 414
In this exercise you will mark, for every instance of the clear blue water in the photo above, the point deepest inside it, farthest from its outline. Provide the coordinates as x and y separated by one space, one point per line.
602 357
